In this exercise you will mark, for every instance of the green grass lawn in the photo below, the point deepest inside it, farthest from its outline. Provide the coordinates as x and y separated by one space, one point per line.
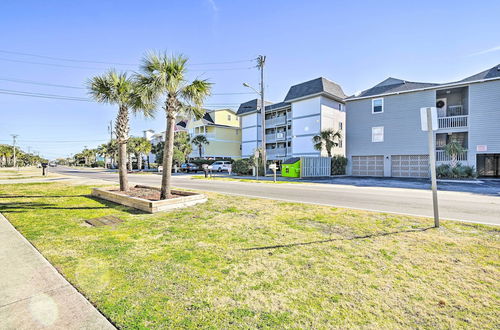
219 265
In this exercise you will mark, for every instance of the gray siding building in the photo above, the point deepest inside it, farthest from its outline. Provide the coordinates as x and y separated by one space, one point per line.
383 131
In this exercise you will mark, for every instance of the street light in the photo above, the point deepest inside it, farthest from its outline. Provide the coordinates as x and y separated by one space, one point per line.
263 119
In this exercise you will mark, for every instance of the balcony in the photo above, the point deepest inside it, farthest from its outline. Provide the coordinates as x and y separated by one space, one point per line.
281 120
453 122
271 137
441 156
453 116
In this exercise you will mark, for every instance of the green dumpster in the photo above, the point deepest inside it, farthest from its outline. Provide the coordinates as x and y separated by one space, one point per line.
291 167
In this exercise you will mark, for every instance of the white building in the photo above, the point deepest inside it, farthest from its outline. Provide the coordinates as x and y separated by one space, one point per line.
308 108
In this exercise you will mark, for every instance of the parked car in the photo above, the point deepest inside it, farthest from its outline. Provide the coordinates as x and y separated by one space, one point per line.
220 166
189 167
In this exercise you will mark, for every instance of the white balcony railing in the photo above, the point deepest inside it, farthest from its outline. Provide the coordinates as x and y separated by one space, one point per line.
442 156
453 121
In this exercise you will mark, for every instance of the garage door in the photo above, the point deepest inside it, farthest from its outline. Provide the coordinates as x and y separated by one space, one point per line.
368 165
410 166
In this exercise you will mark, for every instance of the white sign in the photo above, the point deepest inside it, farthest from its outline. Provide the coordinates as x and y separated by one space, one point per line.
481 148
272 167
423 118
256 154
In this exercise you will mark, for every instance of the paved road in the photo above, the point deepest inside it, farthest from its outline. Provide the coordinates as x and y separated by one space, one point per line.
454 205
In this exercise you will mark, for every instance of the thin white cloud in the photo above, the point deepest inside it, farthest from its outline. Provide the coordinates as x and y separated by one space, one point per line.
213 5
486 51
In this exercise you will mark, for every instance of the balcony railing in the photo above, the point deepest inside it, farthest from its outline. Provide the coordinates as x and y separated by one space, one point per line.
453 121
281 120
271 137
442 156
277 152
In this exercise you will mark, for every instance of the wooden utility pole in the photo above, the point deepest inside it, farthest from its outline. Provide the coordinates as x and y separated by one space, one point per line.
261 60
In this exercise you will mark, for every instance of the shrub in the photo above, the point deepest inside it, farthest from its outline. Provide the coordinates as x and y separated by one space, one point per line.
458 172
242 166
339 164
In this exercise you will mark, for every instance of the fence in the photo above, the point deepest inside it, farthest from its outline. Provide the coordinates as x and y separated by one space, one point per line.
315 166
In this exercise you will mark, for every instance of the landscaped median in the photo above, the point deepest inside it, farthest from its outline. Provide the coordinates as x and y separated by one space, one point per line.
247 262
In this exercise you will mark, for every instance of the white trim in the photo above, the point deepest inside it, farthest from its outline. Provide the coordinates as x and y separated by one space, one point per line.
373 106
326 94
444 86
378 127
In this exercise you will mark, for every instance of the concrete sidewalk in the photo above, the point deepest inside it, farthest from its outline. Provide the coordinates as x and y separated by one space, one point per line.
33 295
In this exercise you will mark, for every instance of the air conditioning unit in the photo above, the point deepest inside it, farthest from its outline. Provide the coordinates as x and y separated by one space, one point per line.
280 135
441 105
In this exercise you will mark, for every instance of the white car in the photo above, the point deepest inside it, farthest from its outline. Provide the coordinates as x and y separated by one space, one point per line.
220 166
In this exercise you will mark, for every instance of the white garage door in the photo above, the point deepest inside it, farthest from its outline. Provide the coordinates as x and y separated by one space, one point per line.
410 166
368 165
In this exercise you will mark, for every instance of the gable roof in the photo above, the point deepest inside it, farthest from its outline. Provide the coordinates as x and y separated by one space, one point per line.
316 86
394 85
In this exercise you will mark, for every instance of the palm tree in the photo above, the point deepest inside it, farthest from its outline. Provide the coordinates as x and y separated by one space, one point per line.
453 149
327 139
163 75
119 89
199 141
182 143
140 146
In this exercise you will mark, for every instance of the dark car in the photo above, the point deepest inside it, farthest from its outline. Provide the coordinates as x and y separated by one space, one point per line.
189 167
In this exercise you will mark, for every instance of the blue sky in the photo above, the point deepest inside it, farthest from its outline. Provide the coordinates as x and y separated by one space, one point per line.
354 43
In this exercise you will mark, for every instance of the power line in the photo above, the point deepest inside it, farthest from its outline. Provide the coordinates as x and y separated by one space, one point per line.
54 58
64 59
42 95
21 81
31 82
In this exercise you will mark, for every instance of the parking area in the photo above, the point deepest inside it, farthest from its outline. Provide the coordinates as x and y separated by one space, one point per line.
481 186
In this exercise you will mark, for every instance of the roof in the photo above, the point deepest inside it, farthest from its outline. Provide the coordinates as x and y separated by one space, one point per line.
250 106
494 72
277 105
292 160
316 86
394 85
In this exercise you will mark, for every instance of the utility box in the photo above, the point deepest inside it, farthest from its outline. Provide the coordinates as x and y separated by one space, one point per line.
291 167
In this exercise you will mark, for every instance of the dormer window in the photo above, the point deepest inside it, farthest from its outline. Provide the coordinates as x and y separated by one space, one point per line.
377 105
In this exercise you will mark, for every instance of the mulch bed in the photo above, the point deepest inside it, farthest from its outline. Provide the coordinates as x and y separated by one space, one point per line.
145 193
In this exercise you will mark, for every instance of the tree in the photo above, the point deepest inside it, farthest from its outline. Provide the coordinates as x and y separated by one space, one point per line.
327 139
199 141
453 149
140 146
165 76
119 89
182 144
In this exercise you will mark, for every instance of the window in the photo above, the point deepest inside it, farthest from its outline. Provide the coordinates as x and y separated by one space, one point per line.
377 105
229 117
340 143
378 134
340 125
340 107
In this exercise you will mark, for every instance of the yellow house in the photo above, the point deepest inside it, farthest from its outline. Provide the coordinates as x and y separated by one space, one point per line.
222 130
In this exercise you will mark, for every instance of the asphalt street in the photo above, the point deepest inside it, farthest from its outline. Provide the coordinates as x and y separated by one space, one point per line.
412 198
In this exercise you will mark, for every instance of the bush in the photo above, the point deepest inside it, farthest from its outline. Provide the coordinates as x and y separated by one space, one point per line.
242 166
458 172
339 164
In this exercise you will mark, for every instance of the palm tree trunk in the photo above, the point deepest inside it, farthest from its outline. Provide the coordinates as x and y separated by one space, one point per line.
130 161
199 150
121 128
139 161
168 153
